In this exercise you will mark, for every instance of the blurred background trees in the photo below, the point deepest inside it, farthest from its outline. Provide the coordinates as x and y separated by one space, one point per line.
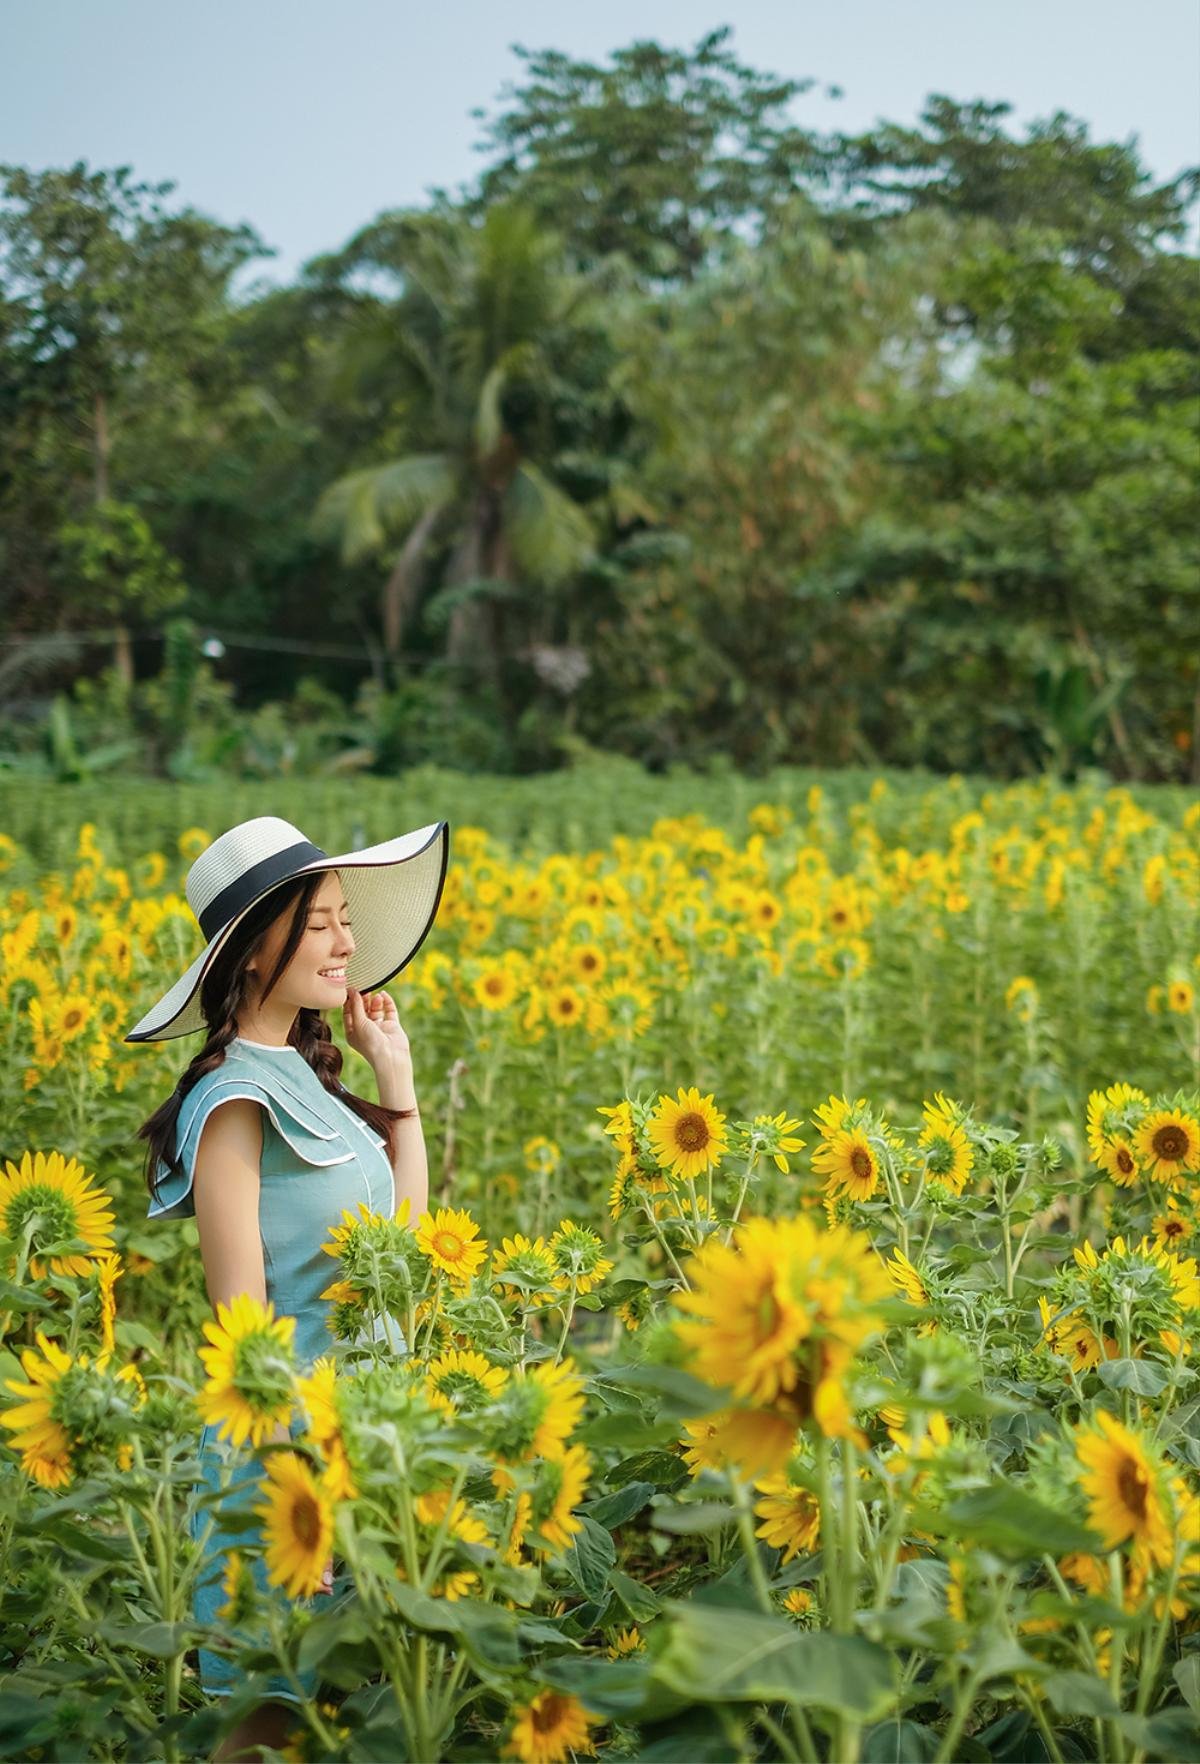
686 432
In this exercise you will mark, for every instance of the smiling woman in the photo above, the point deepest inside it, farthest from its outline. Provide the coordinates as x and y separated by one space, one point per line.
266 1148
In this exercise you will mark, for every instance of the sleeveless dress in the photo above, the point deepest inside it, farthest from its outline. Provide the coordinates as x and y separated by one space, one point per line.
319 1159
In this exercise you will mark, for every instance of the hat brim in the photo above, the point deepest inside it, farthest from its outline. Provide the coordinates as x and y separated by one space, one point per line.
391 911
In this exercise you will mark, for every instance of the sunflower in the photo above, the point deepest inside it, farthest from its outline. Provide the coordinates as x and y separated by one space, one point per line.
626 1641
588 962
907 1280
534 1416
752 1318
1168 1144
791 1516
687 1135
1117 1158
318 1392
250 1388
1108 1112
548 1727
798 1601
67 1206
829 1117
1170 1230
530 1269
463 1379
451 1241
109 1271
579 1258
41 1440
432 1508
559 1488
777 1134
1122 1485
237 1583
565 1006
1181 996
620 1126
849 1165
948 1152
297 1515
495 987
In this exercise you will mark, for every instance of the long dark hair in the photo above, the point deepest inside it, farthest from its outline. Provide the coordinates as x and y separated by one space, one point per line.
224 992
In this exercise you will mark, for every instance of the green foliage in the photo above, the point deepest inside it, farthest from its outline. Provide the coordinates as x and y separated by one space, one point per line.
688 431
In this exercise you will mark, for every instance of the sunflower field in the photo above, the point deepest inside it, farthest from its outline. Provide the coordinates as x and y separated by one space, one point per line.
797 1359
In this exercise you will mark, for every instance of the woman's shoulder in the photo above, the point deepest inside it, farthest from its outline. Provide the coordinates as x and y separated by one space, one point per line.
302 1124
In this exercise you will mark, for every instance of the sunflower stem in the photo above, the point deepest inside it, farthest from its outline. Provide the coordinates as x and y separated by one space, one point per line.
745 1520
1116 1659
568 1315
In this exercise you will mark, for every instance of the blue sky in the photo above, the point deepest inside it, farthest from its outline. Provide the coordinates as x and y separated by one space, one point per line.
306 120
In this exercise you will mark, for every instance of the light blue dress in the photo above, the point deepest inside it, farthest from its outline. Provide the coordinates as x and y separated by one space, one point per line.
319 1159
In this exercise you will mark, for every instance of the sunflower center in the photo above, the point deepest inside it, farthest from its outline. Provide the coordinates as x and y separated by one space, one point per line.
1125 1162
547 1714
1173 1228
691 1133
494 986
862 1163
1170 1142
446 1244
57 1216
1133 1485
306 1521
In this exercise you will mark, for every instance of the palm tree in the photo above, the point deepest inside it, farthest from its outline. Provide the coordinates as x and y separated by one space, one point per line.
483 318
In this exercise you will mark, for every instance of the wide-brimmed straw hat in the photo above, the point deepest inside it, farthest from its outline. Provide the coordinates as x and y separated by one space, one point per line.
392 891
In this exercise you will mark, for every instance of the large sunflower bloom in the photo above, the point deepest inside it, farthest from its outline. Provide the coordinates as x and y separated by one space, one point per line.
250 1387
67 1202
318 1393
1122 1484
688 1134
548 1727
750 1319
452 1242
1168 1144
41 1440
560 1486
1117 1158
791 1516
849 1164
297 1515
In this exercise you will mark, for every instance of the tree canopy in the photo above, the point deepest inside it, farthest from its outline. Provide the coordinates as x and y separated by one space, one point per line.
686 430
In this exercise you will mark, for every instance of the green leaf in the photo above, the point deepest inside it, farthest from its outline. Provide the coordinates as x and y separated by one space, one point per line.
715 1654
1186 1673
615 1509
640 1601
664 1469
686 1518
1079 1693
1145 1377
162 1641
590 1556
678 1393
608 1687
1009 1521
898 1742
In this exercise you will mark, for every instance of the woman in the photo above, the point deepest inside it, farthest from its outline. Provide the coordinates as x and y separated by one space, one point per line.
260 1142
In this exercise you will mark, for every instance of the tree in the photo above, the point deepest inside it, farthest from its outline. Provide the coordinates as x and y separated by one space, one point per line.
654 156
483 323
123 569
111 308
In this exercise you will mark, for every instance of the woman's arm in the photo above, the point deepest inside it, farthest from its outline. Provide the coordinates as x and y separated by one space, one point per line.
225 1185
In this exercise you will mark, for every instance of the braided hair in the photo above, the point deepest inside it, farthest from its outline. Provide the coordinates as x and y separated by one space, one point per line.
224 995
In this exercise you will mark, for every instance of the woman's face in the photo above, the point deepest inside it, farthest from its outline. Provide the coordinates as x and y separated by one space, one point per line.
315 978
